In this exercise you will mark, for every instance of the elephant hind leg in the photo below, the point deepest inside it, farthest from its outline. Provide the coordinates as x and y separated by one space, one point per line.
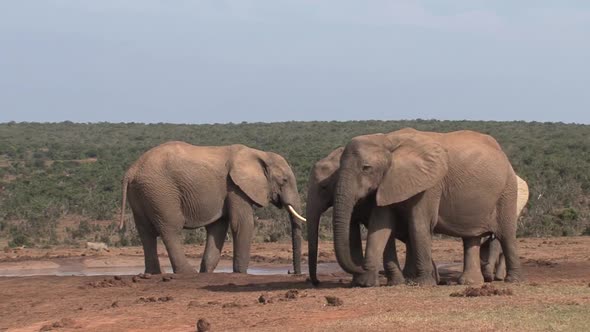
149 240
216 232
471 262
171 233
500 268
506 234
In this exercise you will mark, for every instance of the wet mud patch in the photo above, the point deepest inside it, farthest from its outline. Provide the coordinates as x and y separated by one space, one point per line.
485 290
540 263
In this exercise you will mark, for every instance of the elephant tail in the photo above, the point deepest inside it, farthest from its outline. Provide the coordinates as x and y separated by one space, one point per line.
124 185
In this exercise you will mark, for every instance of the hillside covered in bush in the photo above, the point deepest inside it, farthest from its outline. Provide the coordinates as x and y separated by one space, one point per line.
51 172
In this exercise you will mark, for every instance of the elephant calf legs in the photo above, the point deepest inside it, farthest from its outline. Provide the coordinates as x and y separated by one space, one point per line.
471 262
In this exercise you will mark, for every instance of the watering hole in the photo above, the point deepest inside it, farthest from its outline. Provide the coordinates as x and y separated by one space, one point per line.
84 266
102 266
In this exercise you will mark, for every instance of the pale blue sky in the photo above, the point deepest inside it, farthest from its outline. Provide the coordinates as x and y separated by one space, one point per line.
272 60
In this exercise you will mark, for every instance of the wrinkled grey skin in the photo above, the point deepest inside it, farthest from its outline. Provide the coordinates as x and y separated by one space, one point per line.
177 185
459 184
320 197
493 264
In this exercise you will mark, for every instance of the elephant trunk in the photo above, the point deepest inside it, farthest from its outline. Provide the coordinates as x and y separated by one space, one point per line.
296 225
313 213
344 202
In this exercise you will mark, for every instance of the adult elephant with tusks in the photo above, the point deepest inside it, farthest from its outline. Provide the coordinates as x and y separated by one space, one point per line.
459 184
177 185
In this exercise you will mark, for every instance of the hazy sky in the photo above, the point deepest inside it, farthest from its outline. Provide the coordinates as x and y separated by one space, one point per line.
272 60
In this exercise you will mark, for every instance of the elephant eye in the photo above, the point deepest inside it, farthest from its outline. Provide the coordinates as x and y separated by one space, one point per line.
367 168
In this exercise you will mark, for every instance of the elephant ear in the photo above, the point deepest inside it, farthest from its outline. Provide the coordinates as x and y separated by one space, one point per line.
249 172
417 164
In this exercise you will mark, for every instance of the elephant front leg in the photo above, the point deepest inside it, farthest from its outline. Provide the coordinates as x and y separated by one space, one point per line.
242 232
242 228
424 215
410 271
215 238
471 262
391 265
379 234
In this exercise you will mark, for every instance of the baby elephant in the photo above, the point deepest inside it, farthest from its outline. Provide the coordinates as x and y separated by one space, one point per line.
178 185
493 264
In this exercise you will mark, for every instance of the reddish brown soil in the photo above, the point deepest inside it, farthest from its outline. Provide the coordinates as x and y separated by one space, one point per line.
557 272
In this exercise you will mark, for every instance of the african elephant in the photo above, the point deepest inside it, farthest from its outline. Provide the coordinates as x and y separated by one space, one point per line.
177 185
492 259
459 184
320 197
320 194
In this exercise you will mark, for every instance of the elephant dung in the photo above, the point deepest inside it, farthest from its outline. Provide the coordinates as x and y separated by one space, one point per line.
203 325
334 301
485 290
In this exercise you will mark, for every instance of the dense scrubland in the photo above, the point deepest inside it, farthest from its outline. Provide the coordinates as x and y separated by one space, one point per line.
60 183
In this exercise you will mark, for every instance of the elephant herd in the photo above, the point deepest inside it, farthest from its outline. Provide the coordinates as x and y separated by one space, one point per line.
405 185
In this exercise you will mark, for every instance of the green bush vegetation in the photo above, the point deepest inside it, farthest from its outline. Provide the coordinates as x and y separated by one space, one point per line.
52 170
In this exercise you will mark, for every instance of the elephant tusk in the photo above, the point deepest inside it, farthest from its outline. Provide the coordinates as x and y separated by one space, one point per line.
297 215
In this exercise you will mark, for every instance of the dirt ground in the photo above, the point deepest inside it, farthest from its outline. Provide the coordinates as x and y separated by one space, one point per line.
554 297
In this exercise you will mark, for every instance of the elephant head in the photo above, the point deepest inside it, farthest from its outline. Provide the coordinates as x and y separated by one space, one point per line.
266 177
389 167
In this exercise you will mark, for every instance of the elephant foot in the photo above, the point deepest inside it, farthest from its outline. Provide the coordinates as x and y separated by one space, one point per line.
241 271
470 279
367 279
426 280
394 280
153 271
488 276
185 270
513 277
314 281
409 273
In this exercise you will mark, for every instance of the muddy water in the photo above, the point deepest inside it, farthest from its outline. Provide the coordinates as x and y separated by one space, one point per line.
96 266
81 266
